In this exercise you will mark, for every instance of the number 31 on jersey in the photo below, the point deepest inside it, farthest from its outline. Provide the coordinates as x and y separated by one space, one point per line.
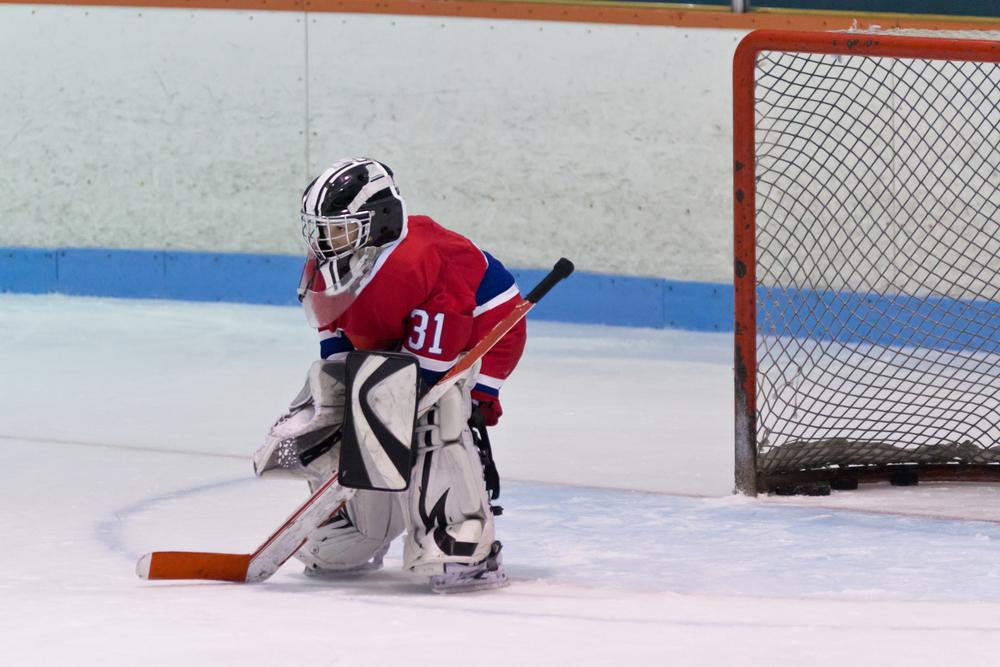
420 321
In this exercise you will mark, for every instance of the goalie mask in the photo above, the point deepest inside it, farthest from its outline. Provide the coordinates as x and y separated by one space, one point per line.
350 215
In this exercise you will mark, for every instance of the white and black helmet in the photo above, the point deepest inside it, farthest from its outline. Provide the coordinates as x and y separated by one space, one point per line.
353 204
351 215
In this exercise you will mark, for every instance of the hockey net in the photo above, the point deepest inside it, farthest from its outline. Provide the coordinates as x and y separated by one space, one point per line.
867 240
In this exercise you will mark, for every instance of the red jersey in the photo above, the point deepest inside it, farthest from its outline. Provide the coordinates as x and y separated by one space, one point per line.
434 294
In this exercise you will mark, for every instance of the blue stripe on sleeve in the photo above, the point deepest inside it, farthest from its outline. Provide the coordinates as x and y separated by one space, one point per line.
496 280
335 345
482 388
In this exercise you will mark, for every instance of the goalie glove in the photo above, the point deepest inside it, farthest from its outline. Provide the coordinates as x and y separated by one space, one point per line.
302 443
488 405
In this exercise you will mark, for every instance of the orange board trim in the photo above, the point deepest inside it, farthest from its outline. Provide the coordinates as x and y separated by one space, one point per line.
665 14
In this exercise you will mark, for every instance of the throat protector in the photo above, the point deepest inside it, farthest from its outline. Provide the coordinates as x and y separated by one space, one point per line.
328 288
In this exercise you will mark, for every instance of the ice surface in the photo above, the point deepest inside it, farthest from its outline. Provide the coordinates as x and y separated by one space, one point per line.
126 426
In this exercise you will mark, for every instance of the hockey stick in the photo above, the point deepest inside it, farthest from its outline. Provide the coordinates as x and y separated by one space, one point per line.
562 269
331 496
329 499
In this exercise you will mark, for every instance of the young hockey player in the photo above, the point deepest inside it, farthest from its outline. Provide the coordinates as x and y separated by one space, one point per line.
377 279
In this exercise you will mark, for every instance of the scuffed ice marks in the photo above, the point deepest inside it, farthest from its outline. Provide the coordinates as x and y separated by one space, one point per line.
736 546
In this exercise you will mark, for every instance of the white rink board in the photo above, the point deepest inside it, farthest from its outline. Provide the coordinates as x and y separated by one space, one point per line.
608 144
197 130
141 128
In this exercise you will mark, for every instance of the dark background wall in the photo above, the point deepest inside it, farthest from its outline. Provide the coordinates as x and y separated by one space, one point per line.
945 7
986 8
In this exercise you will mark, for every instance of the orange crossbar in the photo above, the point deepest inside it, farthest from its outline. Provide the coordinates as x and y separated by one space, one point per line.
666 14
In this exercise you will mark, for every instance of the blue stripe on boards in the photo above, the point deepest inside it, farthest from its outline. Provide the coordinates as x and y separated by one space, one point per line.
272 279
892 320
28 270
98 272
633 301
243 278
152 274
585 297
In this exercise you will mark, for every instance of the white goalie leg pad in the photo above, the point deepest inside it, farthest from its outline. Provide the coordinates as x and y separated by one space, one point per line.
449 513
357 538
311 425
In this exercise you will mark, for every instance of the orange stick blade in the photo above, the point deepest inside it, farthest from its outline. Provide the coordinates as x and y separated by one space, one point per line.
193 565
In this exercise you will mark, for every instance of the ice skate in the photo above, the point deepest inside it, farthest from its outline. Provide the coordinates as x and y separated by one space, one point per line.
484 575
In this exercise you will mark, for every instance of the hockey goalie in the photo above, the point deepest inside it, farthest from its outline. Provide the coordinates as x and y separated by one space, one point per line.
396 300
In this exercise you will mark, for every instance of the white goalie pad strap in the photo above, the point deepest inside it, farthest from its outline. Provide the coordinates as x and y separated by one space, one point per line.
449 514
300 442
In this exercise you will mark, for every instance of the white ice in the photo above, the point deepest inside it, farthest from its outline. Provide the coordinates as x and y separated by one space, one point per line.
125 426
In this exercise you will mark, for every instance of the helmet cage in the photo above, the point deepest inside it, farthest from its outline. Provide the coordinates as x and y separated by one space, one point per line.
336 237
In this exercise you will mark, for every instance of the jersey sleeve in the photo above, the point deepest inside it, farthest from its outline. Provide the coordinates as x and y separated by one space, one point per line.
497 296
502 358
500 361
334 344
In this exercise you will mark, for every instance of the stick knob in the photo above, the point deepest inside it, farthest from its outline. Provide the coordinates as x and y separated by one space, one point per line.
562 269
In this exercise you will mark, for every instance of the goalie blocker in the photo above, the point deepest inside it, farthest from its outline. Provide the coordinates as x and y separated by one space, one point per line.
366 405
376 450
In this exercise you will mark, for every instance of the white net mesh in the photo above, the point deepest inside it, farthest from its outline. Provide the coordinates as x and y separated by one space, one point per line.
878 260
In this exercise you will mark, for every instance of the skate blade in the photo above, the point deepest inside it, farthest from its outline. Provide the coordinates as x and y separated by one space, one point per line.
470 585
348 573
